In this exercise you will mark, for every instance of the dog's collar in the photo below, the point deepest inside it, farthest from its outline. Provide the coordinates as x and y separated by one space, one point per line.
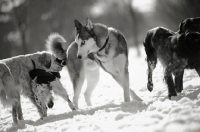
33 64
105 44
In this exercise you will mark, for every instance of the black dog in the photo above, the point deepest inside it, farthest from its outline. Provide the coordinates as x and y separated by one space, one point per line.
190 25
176 52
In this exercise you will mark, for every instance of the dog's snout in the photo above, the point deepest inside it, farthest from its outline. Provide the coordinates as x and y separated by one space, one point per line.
64 63
79 57
61 62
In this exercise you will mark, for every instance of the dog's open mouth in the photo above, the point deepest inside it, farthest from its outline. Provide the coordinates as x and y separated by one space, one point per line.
61 63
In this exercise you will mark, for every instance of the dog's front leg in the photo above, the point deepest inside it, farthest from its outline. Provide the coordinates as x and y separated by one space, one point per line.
92 77
151 67
170 84
169 80
42 111
58 89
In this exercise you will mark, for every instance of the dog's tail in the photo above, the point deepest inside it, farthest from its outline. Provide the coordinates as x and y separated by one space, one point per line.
9 93
57 45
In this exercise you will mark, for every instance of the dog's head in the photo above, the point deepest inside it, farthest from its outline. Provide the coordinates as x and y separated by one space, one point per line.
50 62
190 25
85 38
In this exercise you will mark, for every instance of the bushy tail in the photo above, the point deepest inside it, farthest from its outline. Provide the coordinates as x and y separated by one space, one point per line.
57 45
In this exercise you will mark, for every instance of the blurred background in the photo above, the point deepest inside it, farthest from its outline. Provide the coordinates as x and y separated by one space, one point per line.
26 24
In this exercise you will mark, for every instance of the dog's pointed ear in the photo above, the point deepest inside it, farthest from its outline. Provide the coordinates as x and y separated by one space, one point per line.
89 24
78 25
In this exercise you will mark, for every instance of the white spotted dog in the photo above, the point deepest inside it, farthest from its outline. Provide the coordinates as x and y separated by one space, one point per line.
15 80
176 53
43 84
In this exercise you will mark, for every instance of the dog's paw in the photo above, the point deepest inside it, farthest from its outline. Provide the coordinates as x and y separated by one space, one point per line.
172 94
150 86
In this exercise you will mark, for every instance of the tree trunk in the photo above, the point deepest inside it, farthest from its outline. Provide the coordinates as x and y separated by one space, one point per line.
133 16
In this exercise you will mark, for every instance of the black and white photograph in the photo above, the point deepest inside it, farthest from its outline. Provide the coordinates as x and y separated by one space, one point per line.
99 66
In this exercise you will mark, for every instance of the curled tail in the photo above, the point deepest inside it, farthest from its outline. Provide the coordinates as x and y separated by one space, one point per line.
57 45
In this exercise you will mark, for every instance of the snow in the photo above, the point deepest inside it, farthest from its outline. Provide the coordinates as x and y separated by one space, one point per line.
110 114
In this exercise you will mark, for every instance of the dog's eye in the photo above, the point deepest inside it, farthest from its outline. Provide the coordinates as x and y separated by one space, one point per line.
83 42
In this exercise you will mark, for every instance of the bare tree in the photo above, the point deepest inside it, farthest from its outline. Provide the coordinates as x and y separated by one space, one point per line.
133 15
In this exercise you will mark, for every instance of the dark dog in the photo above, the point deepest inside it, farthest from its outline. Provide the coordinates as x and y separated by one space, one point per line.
190 25
176 52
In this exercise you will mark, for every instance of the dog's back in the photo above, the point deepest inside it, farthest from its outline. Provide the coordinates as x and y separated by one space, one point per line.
158 43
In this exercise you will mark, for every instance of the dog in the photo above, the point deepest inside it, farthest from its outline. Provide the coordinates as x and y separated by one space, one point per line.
42 85
97 45
175 51
15 80
189 25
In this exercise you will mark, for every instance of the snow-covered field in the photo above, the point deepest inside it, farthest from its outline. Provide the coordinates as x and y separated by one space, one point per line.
110 114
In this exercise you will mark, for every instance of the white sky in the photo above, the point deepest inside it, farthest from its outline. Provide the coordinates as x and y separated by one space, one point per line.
144 5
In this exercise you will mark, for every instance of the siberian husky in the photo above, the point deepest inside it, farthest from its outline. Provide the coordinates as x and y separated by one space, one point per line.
96 45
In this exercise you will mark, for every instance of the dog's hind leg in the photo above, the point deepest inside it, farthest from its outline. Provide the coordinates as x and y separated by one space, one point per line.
19 109
179 81
123 80
92 77
151 59
151 67
16 108
170 86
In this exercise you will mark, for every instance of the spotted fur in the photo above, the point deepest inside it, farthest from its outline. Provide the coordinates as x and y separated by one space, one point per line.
175 51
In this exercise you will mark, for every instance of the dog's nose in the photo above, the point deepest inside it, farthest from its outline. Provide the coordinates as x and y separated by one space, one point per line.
63 63
79 56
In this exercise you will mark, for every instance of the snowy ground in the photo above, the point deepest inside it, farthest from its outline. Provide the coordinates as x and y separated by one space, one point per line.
110 114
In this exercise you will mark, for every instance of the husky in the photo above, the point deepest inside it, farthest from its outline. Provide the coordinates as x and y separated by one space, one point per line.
97 45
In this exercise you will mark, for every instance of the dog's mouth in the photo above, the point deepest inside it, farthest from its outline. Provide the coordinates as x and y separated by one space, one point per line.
61 63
